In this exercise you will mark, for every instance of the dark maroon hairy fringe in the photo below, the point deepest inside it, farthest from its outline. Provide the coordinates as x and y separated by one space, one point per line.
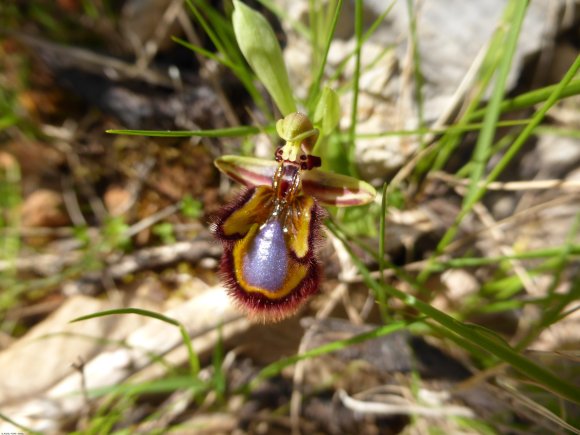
257 306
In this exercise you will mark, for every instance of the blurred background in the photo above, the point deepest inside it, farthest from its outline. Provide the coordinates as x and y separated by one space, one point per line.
92 221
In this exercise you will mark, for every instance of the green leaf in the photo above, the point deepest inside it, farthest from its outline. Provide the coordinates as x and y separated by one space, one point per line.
164 231
193 358
327 113
260 47
219 132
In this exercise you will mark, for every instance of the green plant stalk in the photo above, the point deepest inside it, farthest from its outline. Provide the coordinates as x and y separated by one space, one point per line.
466 345
374 26
485 139
446 146
531 98
109 416
220 132
450 141
356 79
314 24
450 129
556 131
502 351
530 255
562 260
382 224
328 17
233 56
526 132
502 164
208 29
315 86
219 379
157 386
202 51
10 200
499 146
193 358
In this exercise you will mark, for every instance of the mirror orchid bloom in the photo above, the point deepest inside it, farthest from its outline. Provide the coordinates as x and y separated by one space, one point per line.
271 231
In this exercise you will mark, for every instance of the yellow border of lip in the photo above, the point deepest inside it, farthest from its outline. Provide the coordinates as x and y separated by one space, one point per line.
256 209
301 215
296 272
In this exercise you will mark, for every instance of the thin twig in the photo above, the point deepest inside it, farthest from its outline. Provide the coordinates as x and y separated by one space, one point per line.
380 408
511 185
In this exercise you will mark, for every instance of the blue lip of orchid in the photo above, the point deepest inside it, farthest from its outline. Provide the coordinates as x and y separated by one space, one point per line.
271 231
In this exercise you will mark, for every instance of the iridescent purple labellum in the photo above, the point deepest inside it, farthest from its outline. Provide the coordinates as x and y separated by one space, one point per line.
270 268
266 262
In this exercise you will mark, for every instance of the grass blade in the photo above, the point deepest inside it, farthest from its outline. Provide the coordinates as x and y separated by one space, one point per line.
193 358
502 164
486 136
475 336
222 132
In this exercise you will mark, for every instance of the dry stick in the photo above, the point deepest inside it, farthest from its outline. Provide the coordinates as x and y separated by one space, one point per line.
151 220
176 404
174 11
541 414
512 185
56 232
71 202
208 69
353 315
192 251
386 409
83 419
530 311
137 180
66 136
91 62
499 236
457 244
151 47
518 217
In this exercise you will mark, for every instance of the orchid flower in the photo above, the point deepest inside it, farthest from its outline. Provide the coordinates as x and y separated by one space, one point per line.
271 232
